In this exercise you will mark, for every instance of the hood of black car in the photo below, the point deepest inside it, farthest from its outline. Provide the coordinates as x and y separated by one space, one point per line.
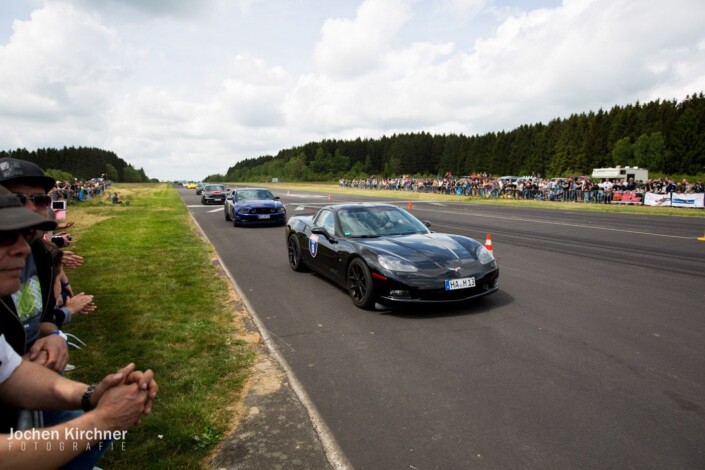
426 249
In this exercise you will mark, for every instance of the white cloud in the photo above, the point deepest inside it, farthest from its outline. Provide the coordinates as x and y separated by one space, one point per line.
353 47
462 7
186 96
60 64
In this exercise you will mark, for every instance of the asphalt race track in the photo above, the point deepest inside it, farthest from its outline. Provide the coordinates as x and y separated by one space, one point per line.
591 355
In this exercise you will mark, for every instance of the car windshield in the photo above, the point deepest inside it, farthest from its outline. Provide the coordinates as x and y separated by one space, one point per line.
249 194
366 222
215 187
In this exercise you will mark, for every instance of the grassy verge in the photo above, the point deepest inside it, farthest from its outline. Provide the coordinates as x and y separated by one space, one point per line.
162 305
414 196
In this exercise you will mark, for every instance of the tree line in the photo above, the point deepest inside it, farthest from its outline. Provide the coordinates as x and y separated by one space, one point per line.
82 163
666 137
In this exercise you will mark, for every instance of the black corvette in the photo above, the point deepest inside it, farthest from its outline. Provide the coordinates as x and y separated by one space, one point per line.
381 253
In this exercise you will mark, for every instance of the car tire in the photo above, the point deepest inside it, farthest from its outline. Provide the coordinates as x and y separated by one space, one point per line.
296 261
359 282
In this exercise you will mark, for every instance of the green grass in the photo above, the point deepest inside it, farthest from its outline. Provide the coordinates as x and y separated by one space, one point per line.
163 305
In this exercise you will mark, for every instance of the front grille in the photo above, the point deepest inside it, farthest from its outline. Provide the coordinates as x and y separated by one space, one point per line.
263 210
483 285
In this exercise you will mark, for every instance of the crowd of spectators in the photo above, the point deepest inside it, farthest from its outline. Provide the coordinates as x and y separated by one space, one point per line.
576 189
80 190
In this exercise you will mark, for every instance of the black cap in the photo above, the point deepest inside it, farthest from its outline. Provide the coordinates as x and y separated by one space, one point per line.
14 170
14 216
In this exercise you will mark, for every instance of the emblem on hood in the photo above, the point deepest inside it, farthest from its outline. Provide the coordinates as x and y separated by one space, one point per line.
455 269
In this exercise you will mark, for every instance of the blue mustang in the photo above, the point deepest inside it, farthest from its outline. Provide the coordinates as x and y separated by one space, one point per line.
254 206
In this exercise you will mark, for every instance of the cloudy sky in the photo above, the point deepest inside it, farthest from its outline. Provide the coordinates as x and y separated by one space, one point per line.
186 88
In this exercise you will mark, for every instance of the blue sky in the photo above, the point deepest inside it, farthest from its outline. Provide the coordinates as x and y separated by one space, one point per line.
186 88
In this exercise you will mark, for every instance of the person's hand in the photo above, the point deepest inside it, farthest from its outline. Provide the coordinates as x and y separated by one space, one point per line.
91 307
71 260
50 351
121 406
64 225
145 381
80 302
128 375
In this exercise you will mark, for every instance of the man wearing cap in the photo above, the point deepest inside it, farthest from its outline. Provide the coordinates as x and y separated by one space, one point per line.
27 314
113 405
16 223
33 303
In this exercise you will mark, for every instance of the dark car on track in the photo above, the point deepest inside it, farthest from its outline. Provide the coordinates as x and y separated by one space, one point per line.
381 253
213 194
254 206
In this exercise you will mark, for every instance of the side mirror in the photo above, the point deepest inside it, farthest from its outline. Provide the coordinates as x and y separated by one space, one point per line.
324 232
427 223
276 198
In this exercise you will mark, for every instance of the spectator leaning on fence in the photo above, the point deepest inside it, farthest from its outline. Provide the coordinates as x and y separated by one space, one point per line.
577 188
35 295
31 310
112 406
31 185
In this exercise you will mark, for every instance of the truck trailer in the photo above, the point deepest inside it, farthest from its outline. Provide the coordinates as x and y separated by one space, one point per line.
621 173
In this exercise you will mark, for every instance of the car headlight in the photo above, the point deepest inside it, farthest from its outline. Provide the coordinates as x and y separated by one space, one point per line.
396 264
243 210
483 255
281 209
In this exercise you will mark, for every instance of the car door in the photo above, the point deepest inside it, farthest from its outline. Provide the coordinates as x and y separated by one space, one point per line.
230 204
321 249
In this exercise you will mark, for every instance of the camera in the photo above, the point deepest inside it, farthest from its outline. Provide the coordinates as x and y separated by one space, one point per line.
61 240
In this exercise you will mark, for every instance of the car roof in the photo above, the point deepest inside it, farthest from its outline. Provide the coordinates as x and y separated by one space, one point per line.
358 205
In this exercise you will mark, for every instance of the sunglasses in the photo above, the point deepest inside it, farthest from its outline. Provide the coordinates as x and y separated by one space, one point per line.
39 200
10 238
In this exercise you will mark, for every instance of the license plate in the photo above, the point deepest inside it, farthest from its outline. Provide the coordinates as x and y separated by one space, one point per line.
462 283
263 216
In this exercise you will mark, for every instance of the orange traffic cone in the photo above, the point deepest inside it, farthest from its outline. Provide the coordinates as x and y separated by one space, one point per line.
488 244
410 206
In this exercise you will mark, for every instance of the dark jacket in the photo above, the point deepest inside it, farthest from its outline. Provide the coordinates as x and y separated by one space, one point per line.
11 326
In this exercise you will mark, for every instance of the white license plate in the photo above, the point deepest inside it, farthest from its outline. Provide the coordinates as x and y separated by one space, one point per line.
463 283
263 216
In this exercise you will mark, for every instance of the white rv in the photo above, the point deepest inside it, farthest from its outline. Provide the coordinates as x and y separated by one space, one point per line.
620 173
